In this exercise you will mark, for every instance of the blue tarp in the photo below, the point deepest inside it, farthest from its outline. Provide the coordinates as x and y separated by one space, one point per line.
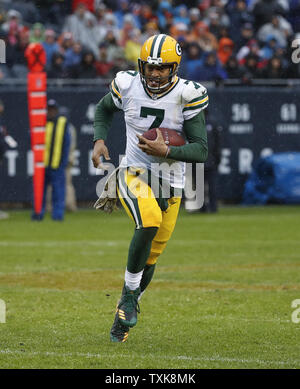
275 179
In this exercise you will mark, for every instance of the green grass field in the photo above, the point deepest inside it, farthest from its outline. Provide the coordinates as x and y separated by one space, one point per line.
220 298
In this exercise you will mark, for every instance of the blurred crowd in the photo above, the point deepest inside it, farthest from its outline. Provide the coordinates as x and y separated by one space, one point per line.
221 39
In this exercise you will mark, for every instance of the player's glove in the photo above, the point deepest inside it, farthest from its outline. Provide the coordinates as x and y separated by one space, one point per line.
107 201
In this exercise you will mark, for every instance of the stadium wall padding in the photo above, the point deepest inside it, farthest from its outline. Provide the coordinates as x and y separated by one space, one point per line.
256 121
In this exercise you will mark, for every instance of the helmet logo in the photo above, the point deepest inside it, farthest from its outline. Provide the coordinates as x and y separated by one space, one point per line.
178 49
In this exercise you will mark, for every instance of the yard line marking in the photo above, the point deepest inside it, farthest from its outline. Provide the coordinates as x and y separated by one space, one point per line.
209 317
51 243
215 358
215 241
244 218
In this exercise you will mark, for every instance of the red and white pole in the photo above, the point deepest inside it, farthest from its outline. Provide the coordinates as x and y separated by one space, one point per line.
37 109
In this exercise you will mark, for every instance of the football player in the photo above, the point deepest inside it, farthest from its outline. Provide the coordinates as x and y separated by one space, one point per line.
151 98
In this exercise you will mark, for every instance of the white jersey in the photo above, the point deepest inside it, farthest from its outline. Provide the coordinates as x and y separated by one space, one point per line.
184 100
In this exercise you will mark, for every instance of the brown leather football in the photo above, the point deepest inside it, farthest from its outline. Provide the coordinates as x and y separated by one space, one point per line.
171 137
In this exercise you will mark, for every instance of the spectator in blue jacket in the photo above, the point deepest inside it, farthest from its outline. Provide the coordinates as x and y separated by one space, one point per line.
239 15
73 55
269 48
50 45
210 69
123 10
190 60
164 9
181 15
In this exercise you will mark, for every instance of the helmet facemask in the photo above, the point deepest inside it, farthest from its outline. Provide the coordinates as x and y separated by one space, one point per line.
163 83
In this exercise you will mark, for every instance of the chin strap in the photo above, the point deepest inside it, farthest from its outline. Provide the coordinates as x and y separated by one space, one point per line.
158 89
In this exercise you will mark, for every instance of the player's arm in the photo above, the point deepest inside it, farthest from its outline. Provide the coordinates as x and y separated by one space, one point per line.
196 150
104 113
195 100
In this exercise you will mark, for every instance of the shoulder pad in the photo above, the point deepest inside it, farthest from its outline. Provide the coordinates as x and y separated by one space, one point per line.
193 90
124 79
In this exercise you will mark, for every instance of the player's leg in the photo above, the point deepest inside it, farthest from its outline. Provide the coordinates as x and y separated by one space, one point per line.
140 203
141 206
160 240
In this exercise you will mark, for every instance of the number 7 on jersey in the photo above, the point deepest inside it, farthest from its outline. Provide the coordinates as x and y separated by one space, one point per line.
159 115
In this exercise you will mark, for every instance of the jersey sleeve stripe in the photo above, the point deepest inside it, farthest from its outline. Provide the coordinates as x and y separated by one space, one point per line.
114 92
197 101
204 105
115 85
198 98
115 88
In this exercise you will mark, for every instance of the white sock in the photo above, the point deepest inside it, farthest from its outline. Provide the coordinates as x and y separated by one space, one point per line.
132 280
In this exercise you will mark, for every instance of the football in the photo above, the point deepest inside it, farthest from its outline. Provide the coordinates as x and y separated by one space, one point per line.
171 137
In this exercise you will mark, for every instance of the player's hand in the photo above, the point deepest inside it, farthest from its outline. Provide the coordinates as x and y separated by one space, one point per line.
155 147
99 150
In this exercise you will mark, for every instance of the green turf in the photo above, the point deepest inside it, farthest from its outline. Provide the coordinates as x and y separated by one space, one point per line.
220 298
